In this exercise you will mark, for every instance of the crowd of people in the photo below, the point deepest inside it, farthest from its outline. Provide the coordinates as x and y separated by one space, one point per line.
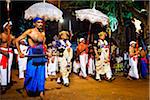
37 61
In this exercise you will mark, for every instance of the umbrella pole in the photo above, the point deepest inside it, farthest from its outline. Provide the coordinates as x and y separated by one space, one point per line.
44 26
89 33
110 53
8 42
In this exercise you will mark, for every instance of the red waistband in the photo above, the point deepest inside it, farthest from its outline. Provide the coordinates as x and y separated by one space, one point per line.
4 62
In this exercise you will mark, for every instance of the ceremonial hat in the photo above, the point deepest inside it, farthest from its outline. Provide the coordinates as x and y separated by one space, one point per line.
36 19
64 32
81 39
102 33
132 42
6 23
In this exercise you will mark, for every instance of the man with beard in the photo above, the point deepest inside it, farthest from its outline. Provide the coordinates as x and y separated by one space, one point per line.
35 72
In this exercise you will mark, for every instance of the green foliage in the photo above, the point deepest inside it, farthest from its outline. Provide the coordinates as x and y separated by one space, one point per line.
24 25
107 7
127 14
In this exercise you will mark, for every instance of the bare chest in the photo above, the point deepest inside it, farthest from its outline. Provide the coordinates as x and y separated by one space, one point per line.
4 38
36 36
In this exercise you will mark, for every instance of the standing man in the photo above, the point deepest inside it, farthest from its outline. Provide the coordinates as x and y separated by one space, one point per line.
62 60
6 55
35 72
102 58
82 52
133 61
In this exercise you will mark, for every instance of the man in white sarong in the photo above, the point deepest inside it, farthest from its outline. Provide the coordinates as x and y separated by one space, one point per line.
82 52
133 61
6 56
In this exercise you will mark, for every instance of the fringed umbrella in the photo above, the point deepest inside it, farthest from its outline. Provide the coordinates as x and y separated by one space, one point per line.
93 16
43 10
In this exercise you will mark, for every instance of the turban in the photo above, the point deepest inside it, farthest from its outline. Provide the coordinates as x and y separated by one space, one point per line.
132 42
81 39
64 32
102 33
7 24
36 19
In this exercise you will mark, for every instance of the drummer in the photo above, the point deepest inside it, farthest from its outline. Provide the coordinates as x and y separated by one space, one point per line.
35 72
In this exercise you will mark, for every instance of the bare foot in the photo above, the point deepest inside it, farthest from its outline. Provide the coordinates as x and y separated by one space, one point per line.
24 93
99 80
42 95
128 77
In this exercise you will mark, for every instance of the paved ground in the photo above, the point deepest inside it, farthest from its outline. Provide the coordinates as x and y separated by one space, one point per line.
81 89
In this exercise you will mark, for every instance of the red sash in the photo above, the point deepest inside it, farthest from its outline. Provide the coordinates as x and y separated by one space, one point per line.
4 60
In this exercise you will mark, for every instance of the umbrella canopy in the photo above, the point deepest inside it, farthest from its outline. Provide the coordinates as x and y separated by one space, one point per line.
43 10
92 15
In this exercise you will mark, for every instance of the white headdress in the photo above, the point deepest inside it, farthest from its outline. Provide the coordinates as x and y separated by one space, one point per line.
81 39
6 23
132 42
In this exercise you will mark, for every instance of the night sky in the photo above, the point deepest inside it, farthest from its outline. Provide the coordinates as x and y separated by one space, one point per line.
17 9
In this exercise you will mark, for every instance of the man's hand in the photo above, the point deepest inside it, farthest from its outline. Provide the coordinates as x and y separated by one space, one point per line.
21 55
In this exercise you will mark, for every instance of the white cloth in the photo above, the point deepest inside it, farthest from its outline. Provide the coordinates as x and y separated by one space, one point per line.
76 67
117 51
68 56
63 69
46 70
83 61
101 42
91 66
133 72
3 72
22 62
125 56
52 65
119 59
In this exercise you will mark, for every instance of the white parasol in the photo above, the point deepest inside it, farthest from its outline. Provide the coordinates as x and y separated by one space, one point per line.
92 15
44 10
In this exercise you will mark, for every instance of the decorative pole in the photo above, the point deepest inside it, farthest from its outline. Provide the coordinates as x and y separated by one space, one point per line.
8 32
59 23
44 1
70 29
